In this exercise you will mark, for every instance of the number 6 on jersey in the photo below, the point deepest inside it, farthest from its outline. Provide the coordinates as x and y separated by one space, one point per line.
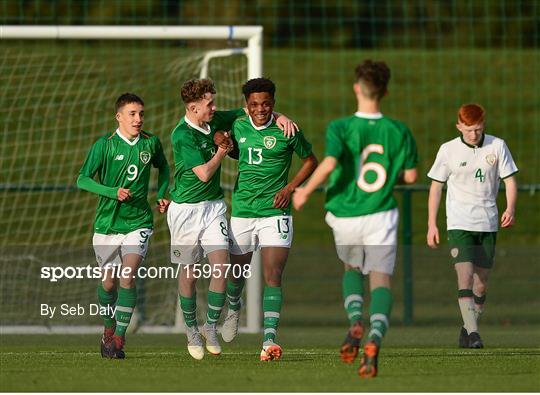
364 167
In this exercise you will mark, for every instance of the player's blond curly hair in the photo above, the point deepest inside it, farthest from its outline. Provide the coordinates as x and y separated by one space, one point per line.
194 89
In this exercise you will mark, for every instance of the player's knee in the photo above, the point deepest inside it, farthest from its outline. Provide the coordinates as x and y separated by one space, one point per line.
127 282
273 278
480 288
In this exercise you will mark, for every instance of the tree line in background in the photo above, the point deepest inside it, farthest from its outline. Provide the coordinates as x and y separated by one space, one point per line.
312 24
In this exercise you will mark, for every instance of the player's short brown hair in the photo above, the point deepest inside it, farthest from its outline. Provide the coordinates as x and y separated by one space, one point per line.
194 89
127 98
471 114
374 77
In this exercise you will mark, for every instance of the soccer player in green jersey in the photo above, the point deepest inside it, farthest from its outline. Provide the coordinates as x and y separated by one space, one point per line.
366 155
472 166
123 223
196 215
261 202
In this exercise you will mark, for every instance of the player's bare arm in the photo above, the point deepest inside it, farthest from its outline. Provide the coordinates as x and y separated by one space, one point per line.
283 197
508 216
319 177
434 199
408 176
207 170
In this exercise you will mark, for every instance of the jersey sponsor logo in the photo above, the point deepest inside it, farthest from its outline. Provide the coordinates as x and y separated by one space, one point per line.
491 159
119 157
145 157
242 140
269 142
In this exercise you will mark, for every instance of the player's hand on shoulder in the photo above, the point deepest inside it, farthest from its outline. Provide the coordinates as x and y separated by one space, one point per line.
163 205
433 236
507 219
123 194
283 197
299 198
289 127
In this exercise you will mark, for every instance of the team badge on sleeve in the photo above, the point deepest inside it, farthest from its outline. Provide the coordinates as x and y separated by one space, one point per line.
145 157
269 142
491 159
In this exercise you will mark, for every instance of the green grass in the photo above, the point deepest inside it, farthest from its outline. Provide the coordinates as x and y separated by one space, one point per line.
412 359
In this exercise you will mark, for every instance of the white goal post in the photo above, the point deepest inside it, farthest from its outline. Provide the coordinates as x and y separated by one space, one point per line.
252 35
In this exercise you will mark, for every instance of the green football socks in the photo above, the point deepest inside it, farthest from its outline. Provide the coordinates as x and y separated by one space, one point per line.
107 300
188 304
379 311
127 299
353 289
272 299
234 291
216 301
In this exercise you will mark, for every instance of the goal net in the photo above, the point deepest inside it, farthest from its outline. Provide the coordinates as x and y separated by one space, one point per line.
59 88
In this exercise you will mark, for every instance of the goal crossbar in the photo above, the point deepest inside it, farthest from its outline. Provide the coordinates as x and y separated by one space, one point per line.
253 52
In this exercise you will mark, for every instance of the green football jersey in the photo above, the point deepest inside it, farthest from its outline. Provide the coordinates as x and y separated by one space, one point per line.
120 163
264 161
371 152
192 148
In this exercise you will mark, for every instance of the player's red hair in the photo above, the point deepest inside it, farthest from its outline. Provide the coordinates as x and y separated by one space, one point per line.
471 114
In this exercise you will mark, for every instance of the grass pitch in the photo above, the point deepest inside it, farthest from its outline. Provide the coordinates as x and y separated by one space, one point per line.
412 359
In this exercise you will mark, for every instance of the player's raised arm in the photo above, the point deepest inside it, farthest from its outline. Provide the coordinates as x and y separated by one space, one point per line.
91 166
434 199
207 170
508 216
288 126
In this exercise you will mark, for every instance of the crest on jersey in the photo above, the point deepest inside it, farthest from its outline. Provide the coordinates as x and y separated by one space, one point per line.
491 159
145 157
269 142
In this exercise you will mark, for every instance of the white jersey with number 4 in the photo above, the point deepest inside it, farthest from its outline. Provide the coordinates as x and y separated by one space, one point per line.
472 174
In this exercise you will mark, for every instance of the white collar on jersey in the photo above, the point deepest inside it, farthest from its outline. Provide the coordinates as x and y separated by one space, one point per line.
126 139
369 115
197 127
263 126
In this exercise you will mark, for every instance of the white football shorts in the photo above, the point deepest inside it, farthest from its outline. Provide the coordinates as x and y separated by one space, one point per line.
197 229
249 234
368 242
110 249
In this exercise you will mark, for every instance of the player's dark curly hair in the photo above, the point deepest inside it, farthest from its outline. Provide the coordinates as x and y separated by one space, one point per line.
194 89
257 85
127 98
374 77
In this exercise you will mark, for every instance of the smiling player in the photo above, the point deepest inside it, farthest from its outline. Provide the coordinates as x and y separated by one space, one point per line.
123 224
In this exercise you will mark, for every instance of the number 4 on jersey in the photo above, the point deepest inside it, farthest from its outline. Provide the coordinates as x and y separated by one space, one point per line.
480 175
